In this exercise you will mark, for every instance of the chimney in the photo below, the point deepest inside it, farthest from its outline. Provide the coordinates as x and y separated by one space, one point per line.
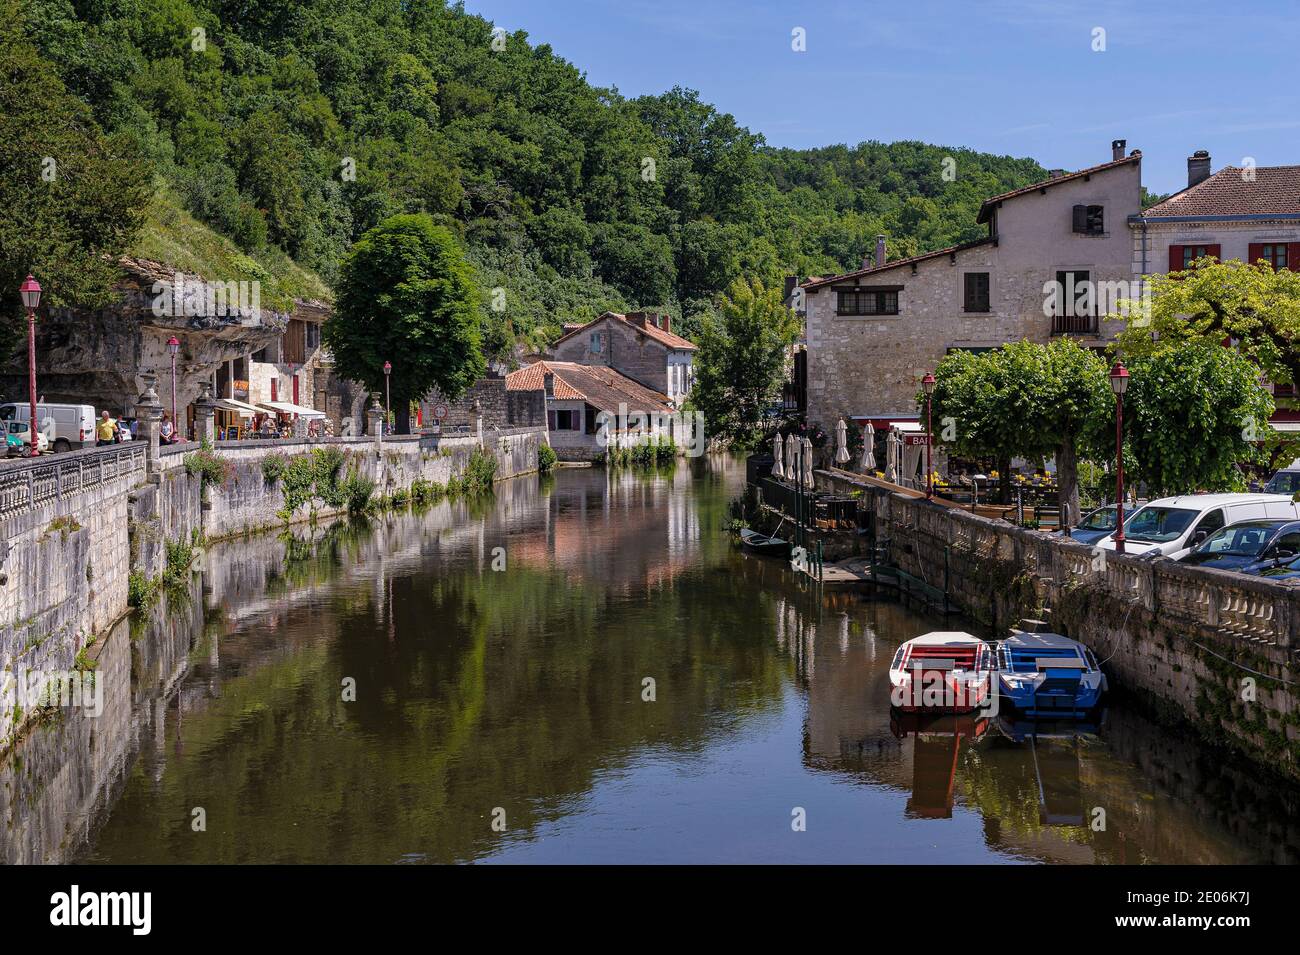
880 251
548 383
791 283
666 322
1198 167
637 318
866 261
1055 173
1117 149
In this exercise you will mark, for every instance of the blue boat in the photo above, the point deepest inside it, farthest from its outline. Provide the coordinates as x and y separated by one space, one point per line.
1048 675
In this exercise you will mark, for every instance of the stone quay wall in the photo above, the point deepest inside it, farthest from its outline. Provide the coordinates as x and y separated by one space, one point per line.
1219 651
75 527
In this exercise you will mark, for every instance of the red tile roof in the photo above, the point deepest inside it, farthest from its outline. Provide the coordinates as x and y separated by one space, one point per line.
1274 190
668 339
601 387
986 209
816 283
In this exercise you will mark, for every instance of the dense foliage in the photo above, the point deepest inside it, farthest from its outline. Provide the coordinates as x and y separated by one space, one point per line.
300 126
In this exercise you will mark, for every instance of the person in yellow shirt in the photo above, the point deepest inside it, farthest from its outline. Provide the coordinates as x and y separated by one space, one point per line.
105 430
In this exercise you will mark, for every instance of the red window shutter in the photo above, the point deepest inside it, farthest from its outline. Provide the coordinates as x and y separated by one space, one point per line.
1175 258
1293 256
274 382
1256 253
1215 251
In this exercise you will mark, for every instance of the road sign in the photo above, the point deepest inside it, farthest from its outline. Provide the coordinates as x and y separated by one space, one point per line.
440 412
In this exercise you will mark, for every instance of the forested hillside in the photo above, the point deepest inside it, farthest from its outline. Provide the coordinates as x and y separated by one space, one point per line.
291 128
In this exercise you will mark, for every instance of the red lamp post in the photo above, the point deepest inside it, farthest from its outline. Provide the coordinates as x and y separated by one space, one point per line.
30 291
388 372
173 346
1119 385
927 385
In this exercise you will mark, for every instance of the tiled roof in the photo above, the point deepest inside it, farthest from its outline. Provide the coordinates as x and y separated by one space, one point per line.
669 339
1274 190
986 209
601 387
816 283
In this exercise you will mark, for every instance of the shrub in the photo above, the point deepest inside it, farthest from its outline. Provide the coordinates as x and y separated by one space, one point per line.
273 466
180 556
141 592
211 467
545 458
480 473
356 491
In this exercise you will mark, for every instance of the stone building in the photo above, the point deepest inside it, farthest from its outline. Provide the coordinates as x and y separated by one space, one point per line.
1052 251
639 345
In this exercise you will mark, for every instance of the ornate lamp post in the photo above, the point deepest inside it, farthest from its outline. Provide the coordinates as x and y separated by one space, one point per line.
388 373
927 385
30 291
1119 385
173 346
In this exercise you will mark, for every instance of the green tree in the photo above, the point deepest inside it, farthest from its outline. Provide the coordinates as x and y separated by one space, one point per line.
1192 413
741 360
407 296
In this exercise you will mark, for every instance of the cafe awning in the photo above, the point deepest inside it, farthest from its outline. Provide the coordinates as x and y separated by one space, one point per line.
285 407
241 408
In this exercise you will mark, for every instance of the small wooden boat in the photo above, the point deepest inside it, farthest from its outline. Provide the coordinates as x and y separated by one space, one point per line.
1048 675
941 672
764 544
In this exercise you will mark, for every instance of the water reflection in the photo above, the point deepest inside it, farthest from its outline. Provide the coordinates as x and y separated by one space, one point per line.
628 687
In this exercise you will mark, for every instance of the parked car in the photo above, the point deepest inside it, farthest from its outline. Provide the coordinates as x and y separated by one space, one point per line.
1095 525
74 425
1248 546
18 440
1286 481
1172 526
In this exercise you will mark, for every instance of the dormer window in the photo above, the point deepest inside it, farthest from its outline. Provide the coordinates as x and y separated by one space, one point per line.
1089 220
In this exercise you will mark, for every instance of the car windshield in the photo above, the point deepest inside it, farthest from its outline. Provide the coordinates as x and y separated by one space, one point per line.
1240 540
1283 482
1159 525
1102 519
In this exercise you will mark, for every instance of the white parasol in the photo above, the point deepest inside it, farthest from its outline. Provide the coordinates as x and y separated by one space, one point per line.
778 447
869 448
791 457
841 442
807 463
891 457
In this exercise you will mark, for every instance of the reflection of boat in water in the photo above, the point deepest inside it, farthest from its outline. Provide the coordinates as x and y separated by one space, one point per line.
941 672
1046 674
764 544
935 749
1054 750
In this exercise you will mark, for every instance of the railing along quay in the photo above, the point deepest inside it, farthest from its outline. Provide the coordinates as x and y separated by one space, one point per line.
30 483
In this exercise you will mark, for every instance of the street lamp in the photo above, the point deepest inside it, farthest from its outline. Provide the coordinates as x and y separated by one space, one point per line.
1119 385
30 291
388 373
927 385
173 346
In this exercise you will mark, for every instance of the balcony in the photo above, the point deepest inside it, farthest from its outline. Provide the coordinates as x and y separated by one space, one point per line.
1075 325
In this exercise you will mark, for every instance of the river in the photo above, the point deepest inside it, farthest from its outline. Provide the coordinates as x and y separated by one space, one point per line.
576 669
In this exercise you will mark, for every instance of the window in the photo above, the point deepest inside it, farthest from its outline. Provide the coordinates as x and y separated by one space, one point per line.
595 343
1193 252
1073 294
313 336
567 420
868 301
1210 523
1089 220
1275 255
977 291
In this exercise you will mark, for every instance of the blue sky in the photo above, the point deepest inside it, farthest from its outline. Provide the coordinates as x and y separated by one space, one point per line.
1004 76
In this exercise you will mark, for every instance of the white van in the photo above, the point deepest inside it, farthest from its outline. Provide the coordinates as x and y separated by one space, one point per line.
67 426
1172 526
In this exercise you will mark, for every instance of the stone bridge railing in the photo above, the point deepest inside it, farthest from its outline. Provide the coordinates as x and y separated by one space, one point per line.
28 484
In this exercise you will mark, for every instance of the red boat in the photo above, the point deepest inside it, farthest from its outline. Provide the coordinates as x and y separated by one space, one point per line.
941 672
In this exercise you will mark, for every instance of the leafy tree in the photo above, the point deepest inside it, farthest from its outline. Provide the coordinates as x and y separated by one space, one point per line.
73 199
406 295
1192 413
741 360
1026 400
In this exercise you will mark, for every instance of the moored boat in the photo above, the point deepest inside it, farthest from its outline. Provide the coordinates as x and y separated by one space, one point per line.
764 544
1049 675
941 672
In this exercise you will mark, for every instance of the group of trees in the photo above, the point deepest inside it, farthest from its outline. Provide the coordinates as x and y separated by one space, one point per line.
302 126
1194 409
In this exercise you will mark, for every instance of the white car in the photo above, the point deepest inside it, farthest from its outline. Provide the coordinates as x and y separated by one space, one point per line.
1172 526
18 440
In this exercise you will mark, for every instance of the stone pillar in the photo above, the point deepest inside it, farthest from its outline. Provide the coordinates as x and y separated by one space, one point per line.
149 410
375 416
205 411
478 421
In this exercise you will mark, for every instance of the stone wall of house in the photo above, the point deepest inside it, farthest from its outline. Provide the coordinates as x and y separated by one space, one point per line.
498 407
872 366
624 349
1215 650
1151 245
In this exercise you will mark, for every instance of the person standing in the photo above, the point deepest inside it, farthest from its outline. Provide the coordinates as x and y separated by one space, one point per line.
105 430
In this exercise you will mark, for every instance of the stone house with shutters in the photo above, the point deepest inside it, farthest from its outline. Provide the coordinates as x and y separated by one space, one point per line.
640 345
1250 214
874 332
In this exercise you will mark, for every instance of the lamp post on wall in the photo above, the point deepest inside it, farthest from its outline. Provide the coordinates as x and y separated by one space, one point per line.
30 291
1119 385
173 346
927 385
388 411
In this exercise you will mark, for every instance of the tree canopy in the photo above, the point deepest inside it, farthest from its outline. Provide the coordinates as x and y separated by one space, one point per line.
406 296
